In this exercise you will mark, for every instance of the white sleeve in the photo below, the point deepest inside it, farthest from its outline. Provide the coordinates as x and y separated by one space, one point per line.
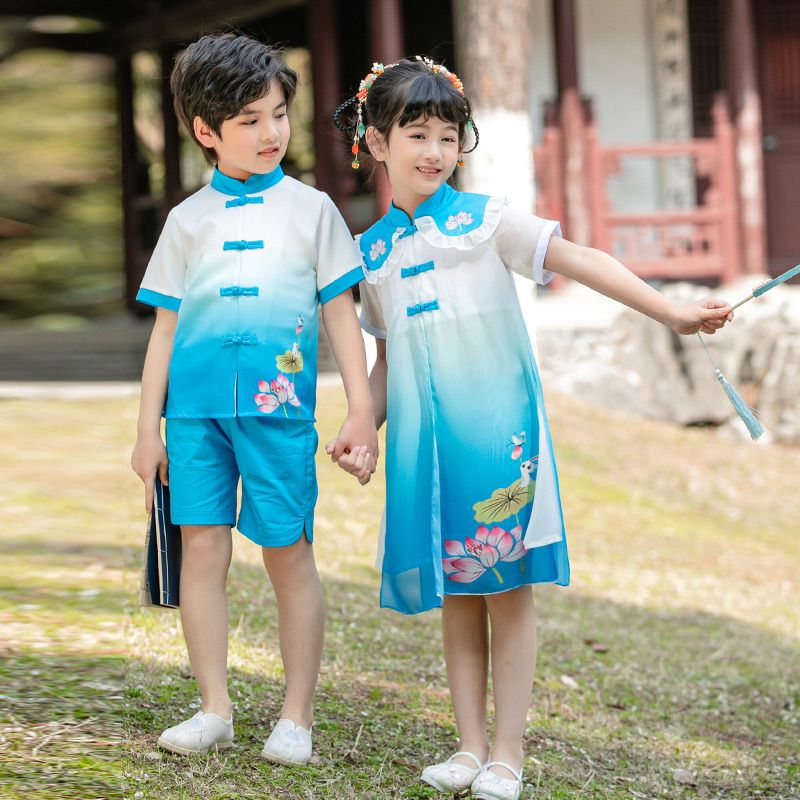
164 277
372 311
522 239
338 258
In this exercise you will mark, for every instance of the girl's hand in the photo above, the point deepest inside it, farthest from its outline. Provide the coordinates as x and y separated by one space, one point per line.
355 449
150 456
708 316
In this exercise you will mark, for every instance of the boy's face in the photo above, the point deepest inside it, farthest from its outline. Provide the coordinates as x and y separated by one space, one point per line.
254 141
419 157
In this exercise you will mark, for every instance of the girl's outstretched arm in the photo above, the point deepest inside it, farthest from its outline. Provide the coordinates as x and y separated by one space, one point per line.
149 454
357 436
604 274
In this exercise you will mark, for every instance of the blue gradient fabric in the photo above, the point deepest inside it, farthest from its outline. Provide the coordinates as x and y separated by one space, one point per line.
472 499
245 264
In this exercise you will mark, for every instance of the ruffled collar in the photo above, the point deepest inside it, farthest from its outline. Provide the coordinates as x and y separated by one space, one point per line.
448 218
255 183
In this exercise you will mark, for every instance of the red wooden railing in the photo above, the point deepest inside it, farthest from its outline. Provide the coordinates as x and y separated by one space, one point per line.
698 242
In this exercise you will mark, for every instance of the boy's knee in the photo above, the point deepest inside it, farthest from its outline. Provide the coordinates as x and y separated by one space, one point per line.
204 542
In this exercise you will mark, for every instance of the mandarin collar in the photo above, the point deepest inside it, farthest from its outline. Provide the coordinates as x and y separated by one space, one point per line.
255 183
428 208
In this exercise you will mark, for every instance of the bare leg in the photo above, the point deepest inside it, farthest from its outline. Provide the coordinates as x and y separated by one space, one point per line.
206 556
301 624
466 651
513 619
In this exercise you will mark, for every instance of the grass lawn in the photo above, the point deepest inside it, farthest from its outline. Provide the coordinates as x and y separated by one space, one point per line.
669 669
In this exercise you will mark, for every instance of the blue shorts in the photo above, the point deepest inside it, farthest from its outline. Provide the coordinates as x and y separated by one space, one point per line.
275 459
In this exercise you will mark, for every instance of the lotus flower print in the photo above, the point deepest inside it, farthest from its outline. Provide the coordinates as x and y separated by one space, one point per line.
467 561
276 394
457 220
377 250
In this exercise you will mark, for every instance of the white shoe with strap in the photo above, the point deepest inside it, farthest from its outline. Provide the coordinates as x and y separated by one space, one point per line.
451 777
489 785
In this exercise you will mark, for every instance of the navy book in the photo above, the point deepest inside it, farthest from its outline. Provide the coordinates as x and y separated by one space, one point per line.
162 555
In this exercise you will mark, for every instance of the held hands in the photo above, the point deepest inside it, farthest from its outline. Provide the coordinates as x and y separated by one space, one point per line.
149 455
355 449
708 316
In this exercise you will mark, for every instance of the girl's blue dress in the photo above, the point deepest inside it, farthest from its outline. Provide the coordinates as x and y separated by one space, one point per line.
472 500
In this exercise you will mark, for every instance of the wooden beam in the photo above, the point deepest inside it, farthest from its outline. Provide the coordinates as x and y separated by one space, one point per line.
573 124
183 24
386 36
173 188
329 150
128 160
89 9
132 26
740 42
96 42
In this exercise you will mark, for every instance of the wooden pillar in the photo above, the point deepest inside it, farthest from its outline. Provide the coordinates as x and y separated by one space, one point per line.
740 41
173 188
128 163
330 155
572 120
386 35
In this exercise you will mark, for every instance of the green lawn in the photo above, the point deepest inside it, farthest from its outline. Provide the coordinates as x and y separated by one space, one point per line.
680 630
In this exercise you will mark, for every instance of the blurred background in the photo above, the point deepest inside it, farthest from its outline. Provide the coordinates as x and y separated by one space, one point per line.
664 131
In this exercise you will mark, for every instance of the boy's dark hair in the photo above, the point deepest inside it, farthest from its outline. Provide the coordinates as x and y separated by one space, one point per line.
215 77
408 90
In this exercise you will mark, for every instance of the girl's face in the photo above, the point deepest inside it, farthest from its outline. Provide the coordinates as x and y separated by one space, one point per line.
419 158
254 141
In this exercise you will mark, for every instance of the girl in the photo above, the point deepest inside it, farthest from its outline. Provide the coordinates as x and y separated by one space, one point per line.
473 515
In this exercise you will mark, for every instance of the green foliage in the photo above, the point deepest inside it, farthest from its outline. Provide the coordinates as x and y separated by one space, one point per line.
59 203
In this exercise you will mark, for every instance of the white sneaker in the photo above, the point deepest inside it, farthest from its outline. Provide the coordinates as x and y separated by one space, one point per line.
489 785
451 777
198 734
288 744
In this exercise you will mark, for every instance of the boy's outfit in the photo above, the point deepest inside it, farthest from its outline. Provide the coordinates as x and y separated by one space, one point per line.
246 264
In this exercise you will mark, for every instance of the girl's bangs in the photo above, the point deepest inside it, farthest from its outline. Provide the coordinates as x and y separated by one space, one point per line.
429 97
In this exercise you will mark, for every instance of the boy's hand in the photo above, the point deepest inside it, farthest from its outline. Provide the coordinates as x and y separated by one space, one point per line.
149 455
357 462
355 449
708 316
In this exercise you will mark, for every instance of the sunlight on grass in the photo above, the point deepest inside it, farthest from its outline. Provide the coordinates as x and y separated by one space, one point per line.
679 637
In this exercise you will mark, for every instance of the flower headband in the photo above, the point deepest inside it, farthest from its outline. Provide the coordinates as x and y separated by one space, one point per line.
360 98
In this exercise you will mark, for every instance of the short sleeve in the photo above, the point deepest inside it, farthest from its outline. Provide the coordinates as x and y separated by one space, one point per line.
338 257
372 311
164 277
522 239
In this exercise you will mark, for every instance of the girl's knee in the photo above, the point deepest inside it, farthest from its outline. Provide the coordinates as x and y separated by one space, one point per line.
520 598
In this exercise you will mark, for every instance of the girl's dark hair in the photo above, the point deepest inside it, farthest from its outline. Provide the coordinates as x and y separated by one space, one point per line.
407 91
215 77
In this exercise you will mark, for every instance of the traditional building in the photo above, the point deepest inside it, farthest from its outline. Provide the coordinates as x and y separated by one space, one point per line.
665 131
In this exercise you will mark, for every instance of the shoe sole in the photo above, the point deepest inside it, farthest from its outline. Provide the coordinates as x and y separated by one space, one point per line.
285 762
188 751
457 793
488 796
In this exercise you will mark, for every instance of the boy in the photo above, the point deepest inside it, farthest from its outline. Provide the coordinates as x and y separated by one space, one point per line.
236 278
